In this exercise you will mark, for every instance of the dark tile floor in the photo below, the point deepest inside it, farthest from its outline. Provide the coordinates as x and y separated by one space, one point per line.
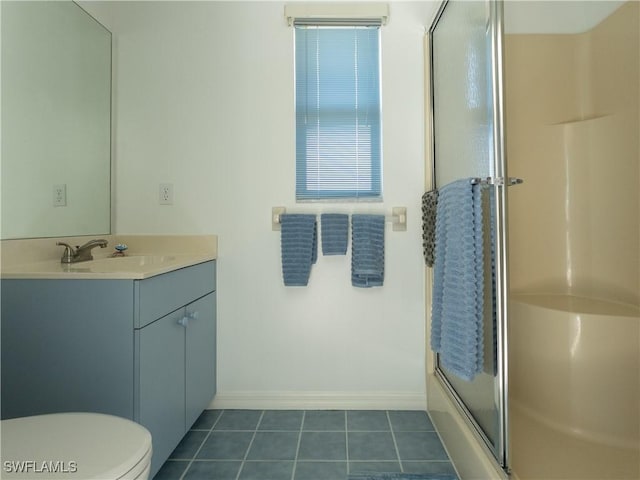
305 445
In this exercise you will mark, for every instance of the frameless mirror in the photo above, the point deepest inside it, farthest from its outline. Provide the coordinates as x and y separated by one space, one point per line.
56 121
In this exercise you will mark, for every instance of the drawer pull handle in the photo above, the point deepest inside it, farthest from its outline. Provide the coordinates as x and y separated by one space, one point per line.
184 321
193 315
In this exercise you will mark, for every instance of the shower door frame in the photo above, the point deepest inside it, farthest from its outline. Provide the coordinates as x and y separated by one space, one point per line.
501 450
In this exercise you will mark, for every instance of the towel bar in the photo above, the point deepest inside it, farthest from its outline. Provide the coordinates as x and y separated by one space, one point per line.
496 181
398 218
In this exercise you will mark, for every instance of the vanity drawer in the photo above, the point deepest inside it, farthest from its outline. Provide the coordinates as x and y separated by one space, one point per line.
162 294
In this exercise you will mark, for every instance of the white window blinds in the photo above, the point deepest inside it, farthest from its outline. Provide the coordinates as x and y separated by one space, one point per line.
338 115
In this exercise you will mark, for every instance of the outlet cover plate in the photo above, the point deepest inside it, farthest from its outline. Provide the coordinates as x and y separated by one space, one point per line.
60 195
165 194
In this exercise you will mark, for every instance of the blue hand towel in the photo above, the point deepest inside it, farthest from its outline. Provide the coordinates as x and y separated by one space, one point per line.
367 250
458 289
298 242
335 233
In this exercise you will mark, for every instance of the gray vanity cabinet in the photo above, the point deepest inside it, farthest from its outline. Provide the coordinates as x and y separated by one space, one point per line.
140 349
174 364
199 357
161 376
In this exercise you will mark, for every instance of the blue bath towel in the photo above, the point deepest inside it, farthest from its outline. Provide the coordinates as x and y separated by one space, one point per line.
299 250
367 250
335 233
458 280
494 316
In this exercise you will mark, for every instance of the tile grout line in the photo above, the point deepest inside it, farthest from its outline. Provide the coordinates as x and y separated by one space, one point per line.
295 459
246 454
395 444
346 440
206 437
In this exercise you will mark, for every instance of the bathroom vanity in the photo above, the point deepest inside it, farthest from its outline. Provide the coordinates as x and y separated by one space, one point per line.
141 347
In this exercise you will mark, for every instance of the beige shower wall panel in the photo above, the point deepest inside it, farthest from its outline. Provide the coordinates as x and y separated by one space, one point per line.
601 198
537 238
541 74
615 76
616 82
572 134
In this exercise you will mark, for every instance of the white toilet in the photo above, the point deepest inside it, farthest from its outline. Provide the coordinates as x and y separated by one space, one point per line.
79 446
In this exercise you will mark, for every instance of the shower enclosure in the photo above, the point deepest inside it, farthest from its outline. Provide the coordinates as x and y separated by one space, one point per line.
466 103
551 91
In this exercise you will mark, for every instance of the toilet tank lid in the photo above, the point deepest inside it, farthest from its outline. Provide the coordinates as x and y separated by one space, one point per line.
72 446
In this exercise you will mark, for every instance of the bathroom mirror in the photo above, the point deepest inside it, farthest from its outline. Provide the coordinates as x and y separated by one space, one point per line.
56 121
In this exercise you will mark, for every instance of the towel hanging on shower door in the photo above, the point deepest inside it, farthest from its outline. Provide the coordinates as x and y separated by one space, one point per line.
457 332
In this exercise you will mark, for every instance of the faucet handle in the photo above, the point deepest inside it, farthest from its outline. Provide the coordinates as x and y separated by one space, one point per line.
68 254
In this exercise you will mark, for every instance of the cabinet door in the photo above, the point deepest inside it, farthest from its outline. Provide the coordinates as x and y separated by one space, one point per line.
200 356
67 345
161 379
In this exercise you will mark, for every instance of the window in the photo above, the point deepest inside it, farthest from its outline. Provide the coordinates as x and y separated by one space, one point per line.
338 114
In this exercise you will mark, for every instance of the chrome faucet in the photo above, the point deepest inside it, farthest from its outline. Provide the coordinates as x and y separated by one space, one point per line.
80 254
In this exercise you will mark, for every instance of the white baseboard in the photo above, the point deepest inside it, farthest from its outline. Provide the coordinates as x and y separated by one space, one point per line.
259 400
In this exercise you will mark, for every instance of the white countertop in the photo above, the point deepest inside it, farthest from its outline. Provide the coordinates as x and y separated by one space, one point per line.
147 256
128 267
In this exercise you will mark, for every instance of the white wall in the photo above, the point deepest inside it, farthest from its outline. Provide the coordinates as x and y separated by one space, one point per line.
204 100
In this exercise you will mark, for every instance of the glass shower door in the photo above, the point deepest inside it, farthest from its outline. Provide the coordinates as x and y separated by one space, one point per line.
466 83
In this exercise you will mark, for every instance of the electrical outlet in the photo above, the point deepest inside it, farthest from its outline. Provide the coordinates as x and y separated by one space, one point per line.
60 195
166 194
